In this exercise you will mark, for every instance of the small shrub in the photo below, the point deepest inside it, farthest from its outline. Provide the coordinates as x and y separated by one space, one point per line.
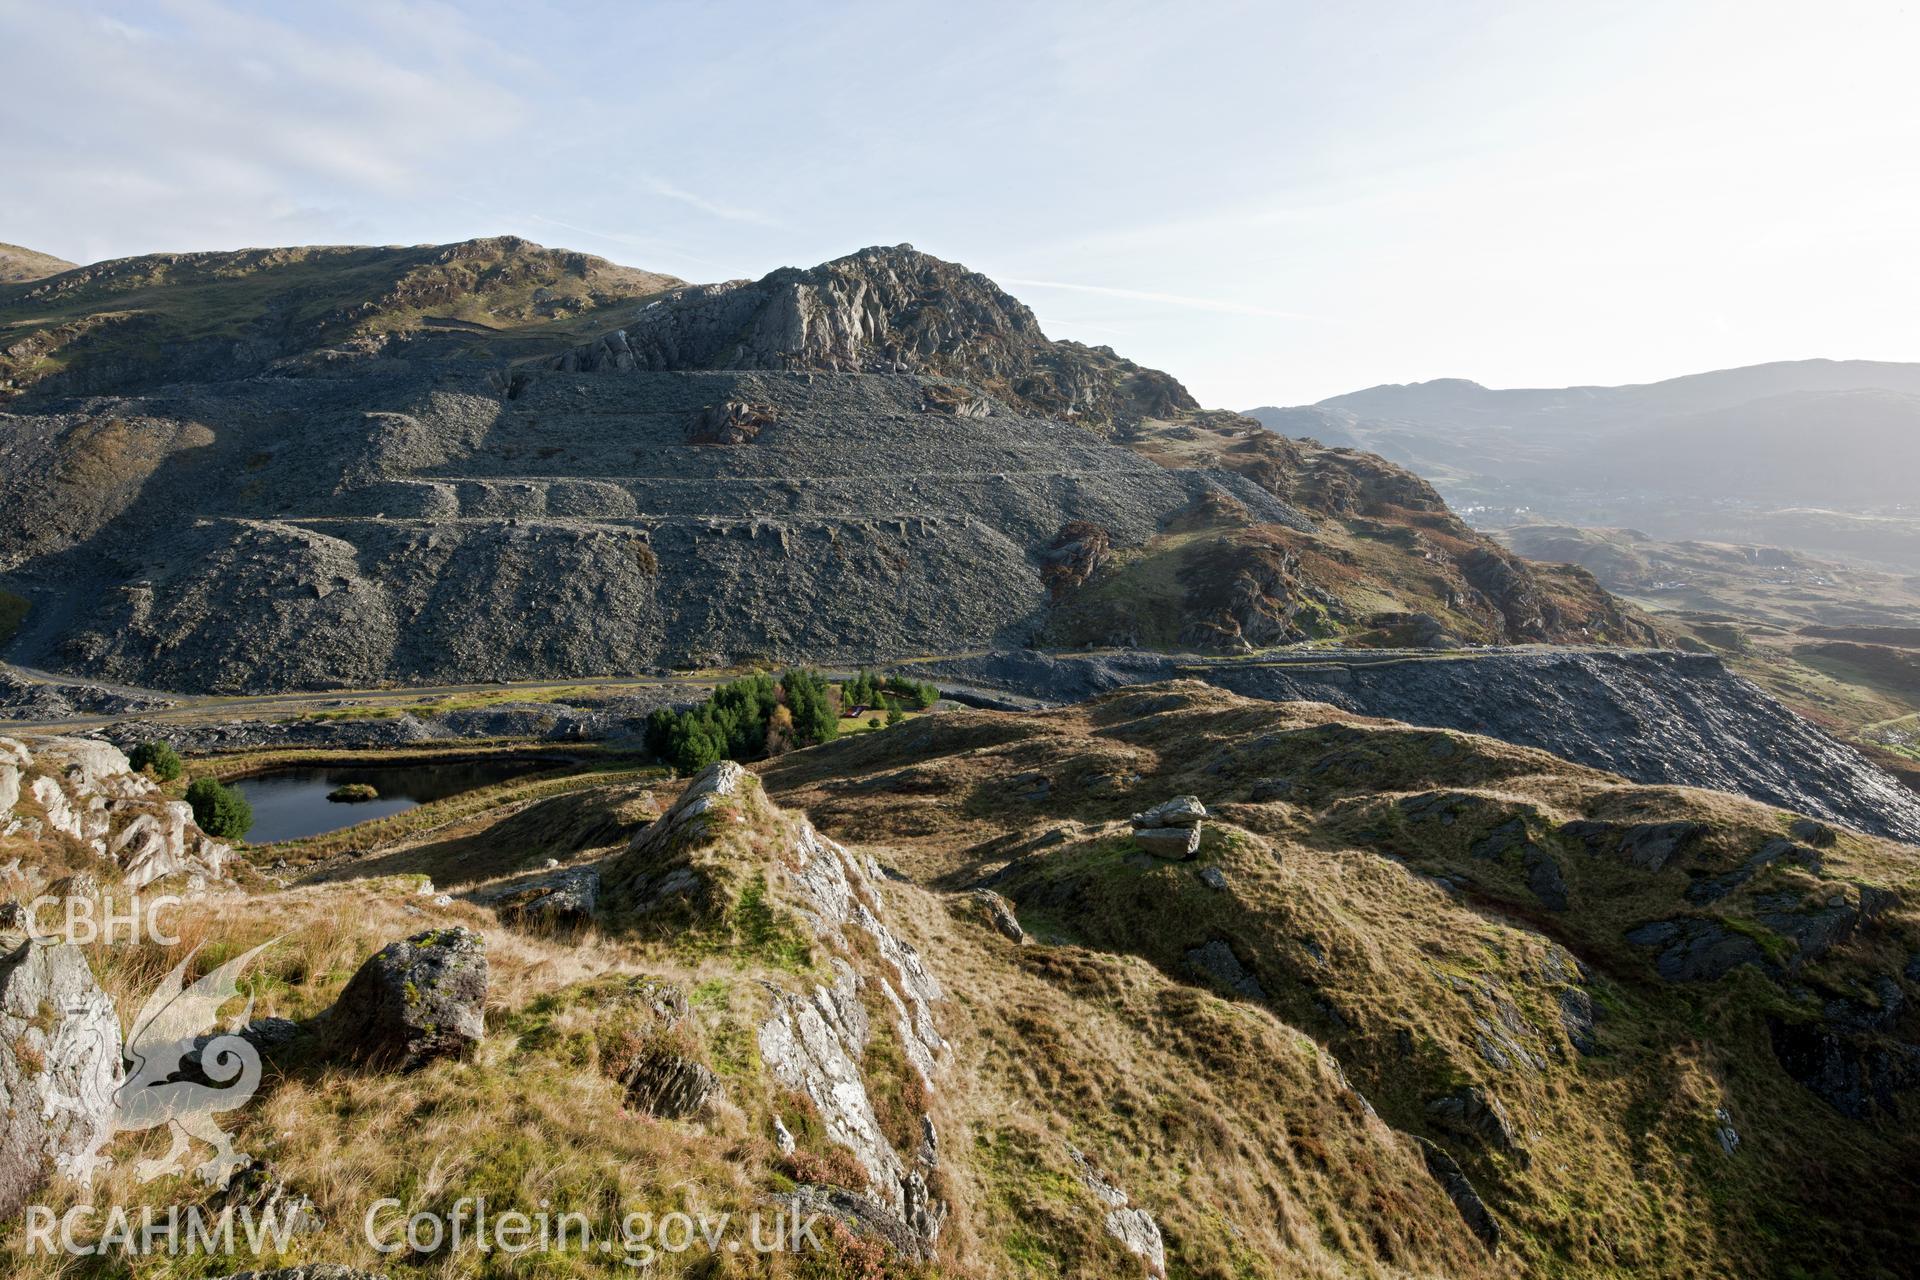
219 810
158 757
834 1167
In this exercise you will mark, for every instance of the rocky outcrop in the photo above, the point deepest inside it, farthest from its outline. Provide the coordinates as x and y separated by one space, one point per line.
1646 845
666 1084
999 914
60 1066
1851 1056
1473 1114
414 1001
84 791
1132 1226
884 310
1216 961
1453 1180
564 900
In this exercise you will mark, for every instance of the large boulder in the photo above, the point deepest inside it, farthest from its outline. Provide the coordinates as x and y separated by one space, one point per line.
415 1001
1170 829
60 1065
564 900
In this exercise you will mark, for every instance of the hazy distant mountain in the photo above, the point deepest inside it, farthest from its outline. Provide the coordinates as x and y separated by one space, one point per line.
1735 453
1458 403
1849 447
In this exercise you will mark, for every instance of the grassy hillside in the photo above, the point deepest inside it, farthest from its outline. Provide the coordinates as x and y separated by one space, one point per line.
1389 936
137 322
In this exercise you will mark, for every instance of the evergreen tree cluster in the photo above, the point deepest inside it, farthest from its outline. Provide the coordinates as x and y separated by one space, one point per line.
890 693
746 719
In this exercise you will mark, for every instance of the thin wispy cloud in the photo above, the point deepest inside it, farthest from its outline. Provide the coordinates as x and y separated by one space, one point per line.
729 212
1226 306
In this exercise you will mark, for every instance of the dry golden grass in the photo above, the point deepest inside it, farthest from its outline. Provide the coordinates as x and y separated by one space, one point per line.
1388 953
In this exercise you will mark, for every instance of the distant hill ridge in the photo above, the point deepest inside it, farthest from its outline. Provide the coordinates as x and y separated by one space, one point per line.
1844 433
18 263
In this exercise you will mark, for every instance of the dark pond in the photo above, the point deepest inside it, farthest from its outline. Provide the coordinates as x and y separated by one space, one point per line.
289 804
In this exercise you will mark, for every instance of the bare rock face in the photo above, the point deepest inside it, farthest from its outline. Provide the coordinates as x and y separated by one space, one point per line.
414 1001
1133 1227
885 310
87 793
60 1064
814 1034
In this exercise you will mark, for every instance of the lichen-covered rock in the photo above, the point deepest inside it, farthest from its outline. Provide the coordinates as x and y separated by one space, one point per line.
414 1001
813 1044
60 1065
1132 1226
1181 811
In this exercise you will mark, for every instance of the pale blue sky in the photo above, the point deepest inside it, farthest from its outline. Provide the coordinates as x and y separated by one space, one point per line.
1274 202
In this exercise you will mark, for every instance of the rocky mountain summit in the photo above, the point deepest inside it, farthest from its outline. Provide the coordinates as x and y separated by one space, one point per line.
886 310
310 468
